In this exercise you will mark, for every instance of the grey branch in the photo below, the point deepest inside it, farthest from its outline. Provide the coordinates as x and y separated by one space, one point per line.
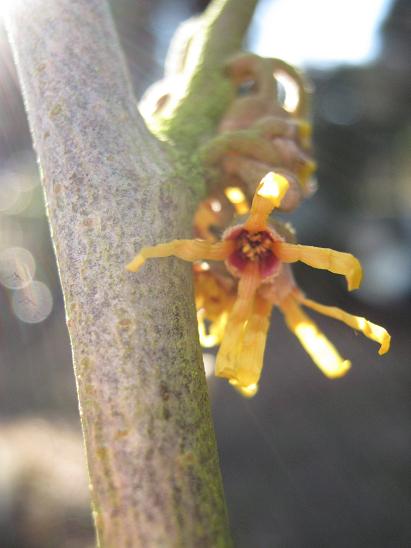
110 188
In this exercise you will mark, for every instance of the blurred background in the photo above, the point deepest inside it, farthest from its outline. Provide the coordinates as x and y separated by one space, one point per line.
308 462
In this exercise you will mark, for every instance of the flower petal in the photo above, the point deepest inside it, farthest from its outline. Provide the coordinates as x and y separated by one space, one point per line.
247 391
251 359
189 250
323 258
230 349
214 335
247 286
322 351
268 195
367 328
231 345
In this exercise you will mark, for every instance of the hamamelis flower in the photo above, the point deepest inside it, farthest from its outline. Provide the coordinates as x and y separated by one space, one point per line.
256 254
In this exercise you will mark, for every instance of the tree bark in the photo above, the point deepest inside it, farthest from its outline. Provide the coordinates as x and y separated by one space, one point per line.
111 187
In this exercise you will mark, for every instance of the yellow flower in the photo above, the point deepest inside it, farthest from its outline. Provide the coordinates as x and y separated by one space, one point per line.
256 254
215 292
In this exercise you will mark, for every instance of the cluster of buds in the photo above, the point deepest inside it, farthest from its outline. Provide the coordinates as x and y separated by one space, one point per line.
242 270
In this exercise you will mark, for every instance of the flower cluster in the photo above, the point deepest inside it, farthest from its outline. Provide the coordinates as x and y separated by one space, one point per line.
235 298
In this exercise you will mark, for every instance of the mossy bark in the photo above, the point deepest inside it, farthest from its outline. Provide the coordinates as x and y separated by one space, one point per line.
205 92
111 187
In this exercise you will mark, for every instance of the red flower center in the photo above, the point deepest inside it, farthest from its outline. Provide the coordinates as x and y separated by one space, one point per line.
252 247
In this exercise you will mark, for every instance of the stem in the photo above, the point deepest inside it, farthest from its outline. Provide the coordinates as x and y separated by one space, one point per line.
153 464
206 92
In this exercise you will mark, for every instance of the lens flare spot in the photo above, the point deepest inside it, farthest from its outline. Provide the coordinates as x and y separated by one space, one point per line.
17 267
215 206
33 303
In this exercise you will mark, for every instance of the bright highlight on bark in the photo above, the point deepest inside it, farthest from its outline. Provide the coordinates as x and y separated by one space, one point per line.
234 305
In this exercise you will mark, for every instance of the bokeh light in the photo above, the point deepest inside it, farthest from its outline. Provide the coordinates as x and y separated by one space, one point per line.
16 190
17 267
33 303
289 29
385 283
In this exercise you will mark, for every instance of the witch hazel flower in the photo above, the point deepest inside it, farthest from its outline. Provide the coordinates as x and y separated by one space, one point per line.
257 256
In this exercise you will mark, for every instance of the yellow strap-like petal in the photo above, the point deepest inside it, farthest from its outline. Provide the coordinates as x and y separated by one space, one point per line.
189 250
269 194
323 258
247 286
230 349
231 345
250 360
369 329
322 351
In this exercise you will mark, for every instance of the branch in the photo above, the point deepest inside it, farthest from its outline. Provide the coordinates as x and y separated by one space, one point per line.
206 92
143 399
196 89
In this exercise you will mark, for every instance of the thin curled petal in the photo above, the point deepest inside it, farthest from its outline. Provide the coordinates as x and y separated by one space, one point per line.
230 349
322 258
247 286
320 349
232 343
269 195
250 360
189 250
367 328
